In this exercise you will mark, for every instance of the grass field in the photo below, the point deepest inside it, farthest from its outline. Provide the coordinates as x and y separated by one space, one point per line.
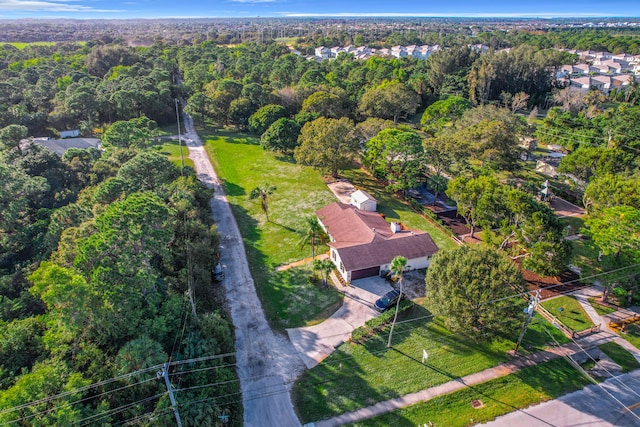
358 375
498 397
569 311
621 356
243 165
171 149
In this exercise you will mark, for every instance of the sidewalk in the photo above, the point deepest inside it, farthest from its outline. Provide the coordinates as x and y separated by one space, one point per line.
583 295
499 371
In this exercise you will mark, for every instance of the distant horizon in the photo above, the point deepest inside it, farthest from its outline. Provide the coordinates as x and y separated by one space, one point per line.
327 16
206 9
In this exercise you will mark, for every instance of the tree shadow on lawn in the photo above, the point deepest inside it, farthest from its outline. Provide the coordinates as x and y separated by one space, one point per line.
420 322
234 137
233 189
285 158
335 386
286 227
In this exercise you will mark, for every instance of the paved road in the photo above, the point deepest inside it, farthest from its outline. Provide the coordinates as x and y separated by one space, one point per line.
267 363
590 406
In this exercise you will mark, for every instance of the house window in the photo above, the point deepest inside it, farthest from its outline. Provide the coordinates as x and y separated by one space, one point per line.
333 255
341 267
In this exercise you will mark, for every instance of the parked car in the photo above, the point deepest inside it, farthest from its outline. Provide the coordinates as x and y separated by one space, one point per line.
387 300
218 273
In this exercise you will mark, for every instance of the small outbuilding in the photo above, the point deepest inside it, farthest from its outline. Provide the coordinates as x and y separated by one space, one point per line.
363 201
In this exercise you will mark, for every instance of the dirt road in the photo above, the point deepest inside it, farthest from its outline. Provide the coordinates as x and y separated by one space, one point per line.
267 363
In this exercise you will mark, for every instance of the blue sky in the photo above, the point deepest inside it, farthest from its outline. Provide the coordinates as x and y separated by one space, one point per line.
11 9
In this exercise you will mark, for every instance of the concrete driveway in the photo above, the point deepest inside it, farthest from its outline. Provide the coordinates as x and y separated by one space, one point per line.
315 343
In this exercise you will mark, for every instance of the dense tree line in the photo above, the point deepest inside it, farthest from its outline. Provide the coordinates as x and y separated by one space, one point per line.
68 86
98 252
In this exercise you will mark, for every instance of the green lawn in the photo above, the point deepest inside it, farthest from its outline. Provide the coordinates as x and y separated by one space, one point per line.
358 375
243 165
500 396
394 209
171 149
602 310
621 356
632 334
569 311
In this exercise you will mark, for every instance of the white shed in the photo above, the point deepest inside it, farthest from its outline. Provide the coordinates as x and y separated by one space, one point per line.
363 201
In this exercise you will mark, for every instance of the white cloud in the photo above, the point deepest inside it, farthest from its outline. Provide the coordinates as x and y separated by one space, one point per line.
48 6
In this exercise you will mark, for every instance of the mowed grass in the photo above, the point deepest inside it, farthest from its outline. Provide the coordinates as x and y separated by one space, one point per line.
621 356
632 334
601 309
569 311
498 397
359 375
396 210
243 165
171 149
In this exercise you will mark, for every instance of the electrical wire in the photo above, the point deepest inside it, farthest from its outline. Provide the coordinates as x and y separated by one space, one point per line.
614 377
119 378
95 417
586 374
68 404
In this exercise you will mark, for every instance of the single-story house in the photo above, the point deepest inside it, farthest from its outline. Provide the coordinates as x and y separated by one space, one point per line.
363 243
59 146
363 201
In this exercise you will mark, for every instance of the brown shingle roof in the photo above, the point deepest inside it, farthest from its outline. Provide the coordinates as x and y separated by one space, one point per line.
364 239
381 251
346 223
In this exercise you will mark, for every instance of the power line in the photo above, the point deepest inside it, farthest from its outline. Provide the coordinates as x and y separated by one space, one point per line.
580 369
68 404
119 378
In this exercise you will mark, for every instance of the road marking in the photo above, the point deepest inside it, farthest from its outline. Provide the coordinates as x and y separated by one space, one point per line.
633 407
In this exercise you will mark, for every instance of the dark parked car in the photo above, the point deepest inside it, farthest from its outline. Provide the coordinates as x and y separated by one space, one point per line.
387 300
218 274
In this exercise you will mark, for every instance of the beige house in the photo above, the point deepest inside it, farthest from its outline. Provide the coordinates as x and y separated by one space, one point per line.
363 243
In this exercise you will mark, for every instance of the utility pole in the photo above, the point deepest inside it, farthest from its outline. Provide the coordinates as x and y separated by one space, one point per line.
165 374
535 300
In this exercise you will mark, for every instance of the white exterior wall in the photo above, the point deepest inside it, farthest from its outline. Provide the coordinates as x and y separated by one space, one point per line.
334 256
367 205
412 264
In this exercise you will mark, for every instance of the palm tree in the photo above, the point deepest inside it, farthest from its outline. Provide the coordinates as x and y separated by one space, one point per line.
324 266
263 194
397 267
438 184
313 234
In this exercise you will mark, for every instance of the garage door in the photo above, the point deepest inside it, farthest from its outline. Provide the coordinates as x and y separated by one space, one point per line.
365 272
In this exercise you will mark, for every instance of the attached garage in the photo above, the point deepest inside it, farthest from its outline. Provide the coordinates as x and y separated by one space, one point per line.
365 272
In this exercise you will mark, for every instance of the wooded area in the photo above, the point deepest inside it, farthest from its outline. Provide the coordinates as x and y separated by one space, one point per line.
106 255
